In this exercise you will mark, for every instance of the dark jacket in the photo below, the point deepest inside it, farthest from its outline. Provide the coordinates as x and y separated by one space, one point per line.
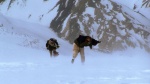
95 42
49 46
81 42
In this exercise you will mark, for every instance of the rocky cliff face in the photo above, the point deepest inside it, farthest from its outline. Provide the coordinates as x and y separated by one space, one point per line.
103 20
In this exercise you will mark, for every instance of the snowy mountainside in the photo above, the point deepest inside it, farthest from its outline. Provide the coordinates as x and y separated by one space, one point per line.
29 10
10 29
16 32
139 6
24 59
118 26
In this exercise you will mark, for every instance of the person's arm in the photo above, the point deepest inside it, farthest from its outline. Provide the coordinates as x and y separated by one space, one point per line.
57 44
47 45
90 46
95 42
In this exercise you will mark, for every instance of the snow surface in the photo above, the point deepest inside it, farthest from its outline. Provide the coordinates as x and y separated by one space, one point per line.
25 60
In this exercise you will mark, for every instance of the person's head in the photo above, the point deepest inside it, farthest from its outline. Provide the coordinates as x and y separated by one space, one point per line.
88 39
52 42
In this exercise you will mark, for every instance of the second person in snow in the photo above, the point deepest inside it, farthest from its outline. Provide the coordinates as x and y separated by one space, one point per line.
52 45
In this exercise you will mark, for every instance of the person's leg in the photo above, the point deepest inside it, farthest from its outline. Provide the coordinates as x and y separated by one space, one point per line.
75 52
82 55
55 53
50 51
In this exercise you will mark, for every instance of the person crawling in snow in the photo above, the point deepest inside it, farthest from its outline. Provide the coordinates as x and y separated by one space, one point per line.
52 45
80 43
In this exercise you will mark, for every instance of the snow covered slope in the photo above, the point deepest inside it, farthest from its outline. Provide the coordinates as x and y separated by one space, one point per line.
24 60
18 32
137 6
114 22
29 10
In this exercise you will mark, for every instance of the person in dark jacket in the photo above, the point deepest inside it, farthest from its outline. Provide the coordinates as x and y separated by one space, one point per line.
80 43
52 45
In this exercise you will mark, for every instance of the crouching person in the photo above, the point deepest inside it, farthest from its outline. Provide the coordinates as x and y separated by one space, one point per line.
80 43
52 45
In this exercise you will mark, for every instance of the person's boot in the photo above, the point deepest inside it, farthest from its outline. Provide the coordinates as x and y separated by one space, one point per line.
72 61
